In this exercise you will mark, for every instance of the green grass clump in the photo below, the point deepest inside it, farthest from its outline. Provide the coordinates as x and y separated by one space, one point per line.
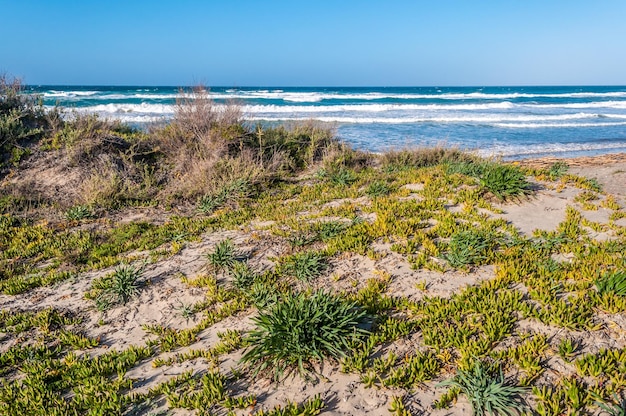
243 276
612 283
302 330
231 191
78 212
503 181
468 248
487 391
377 189
118 287
224 256
305 266
557 170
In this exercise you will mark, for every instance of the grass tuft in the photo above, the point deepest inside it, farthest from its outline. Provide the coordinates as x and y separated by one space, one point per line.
305 266
119 287
612 283
302 330
487 391
224 256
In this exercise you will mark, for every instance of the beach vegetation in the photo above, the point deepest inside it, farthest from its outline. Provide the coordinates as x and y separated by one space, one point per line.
118 287
224 256
22 121
304 266
78 212
487 390
301 331
614 283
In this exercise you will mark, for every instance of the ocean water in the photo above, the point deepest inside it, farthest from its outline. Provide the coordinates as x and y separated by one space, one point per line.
509 122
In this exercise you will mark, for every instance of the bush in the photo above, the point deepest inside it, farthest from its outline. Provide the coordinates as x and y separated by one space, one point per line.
302 330
22 119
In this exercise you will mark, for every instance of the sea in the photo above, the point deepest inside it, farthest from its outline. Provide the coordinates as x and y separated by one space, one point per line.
506 122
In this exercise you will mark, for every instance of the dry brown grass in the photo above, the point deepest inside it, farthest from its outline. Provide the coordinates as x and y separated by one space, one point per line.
85 159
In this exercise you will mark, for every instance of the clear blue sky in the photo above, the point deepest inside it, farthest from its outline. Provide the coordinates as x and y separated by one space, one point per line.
314 42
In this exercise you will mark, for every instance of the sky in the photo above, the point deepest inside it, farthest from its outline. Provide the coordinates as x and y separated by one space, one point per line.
240 43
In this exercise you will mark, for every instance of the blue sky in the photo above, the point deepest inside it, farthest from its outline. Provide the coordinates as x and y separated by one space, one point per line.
314 42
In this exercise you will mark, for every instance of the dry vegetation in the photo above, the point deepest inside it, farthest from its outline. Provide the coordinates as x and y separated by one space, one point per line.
212 267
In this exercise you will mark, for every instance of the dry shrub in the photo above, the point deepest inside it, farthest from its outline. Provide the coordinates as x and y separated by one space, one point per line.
338 155
200 135
115 163
115 178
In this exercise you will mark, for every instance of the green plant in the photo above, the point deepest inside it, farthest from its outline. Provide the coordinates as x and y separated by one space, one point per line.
377 189
557 170
243 276
119 287
342 177
468 248
223 256
22 119
614 407
487 391
305 266
504 181
568 347
78 212
186 310
614 282
230 191
301 330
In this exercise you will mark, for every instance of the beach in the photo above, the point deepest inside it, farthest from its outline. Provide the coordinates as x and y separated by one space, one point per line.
205 265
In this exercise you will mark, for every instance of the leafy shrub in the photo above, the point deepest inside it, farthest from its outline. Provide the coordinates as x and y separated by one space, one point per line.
22 118
487 391
301 330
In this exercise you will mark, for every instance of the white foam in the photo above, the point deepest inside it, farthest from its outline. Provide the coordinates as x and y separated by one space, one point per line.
68 94
279 109
548 148
143 108
499 120
319 96
555 125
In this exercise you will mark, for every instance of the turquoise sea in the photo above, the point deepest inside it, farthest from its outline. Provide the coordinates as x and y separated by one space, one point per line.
511 122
